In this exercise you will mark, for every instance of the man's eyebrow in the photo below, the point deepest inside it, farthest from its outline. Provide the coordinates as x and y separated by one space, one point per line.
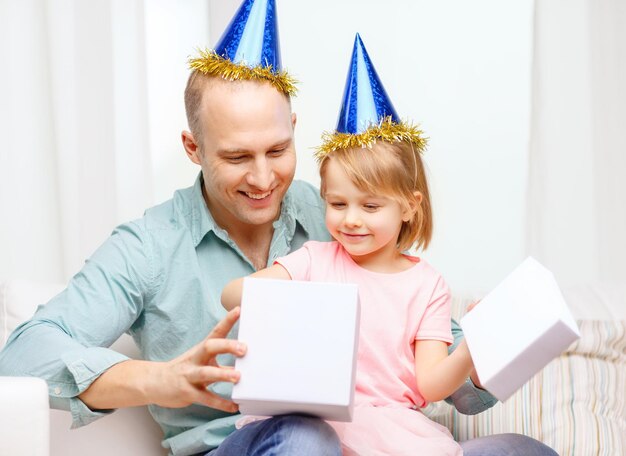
285 142
232 151
238 151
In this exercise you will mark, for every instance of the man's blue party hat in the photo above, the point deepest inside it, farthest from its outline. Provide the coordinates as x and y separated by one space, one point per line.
367 113
248 48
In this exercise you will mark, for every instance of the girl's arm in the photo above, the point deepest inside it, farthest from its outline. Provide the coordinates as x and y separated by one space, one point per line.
439 375
231 294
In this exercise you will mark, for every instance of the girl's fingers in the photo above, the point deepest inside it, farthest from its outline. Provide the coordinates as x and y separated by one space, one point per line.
472 305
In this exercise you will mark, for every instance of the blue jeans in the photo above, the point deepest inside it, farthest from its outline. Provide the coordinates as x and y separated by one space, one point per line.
506 445
281 436
295 435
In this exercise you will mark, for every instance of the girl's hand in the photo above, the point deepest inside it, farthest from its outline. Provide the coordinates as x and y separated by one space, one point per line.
474 374
475 379
472 305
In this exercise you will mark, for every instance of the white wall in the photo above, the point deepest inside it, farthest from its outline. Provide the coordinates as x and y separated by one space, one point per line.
174 29
462 70
77 137
23 110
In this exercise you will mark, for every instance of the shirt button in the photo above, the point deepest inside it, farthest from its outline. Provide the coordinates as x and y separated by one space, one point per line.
57 391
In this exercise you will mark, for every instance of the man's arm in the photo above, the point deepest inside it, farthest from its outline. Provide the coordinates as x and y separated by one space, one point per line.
176 383
469 399
65 341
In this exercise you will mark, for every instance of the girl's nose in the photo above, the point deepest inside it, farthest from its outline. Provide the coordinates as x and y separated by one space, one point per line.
352 218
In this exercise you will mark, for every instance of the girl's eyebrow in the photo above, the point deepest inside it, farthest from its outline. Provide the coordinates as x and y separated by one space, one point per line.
365 197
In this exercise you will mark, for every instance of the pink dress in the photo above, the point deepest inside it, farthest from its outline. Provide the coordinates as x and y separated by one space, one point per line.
396 310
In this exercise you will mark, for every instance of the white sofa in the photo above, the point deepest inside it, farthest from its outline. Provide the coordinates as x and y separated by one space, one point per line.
576 404
127 432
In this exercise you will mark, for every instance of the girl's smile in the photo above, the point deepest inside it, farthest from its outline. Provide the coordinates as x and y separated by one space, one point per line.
366 225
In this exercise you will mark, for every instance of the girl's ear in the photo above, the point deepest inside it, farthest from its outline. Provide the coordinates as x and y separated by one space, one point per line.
413 206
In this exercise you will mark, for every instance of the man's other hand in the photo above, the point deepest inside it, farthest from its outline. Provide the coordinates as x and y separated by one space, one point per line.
184 380
177 383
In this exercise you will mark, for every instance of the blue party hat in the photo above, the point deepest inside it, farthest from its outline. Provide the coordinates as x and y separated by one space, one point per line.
365 100
248 48
367 114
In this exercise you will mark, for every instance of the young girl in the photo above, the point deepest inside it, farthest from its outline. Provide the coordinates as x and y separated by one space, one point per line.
377 206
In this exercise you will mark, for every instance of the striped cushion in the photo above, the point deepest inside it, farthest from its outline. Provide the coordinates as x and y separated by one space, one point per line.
576 404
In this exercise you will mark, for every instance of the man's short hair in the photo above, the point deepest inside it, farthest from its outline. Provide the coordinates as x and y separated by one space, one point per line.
194 90
197 84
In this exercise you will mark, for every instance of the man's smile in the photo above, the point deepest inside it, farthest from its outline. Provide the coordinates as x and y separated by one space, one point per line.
257 196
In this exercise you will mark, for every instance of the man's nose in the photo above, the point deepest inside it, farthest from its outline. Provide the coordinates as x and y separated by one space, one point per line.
261 175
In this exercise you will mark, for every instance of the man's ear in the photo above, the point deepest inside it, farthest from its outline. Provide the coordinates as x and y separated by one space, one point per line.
294 120
413 206
191 147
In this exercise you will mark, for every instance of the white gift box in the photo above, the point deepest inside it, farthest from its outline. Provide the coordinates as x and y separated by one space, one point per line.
518 328
302 348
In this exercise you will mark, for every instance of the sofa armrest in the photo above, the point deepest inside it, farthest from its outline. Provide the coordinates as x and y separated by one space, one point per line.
130 431
24 417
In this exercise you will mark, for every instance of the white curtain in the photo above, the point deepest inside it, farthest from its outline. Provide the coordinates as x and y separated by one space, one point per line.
577 189
91 112
86 89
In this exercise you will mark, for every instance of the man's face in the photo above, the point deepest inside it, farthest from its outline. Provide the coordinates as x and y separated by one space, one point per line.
246 152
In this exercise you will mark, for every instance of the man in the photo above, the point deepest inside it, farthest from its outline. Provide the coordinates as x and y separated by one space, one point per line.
160 278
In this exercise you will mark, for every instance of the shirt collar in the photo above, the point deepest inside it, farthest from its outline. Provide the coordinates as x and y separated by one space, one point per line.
303 207
200 220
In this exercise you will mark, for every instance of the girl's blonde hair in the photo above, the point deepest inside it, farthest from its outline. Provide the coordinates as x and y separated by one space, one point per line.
394 170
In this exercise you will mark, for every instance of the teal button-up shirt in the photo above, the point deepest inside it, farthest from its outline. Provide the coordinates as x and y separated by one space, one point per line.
159 279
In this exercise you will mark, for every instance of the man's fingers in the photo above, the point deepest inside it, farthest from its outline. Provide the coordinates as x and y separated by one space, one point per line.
210 348
215 343
214 347
214 401
222 329
209 374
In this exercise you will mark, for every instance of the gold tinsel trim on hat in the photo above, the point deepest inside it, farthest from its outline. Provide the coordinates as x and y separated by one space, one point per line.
212 64
387 130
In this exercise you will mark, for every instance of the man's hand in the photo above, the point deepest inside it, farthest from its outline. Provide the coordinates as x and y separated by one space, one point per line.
183 380
176 383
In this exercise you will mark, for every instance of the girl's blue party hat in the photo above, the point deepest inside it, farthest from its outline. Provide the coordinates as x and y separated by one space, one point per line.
367 113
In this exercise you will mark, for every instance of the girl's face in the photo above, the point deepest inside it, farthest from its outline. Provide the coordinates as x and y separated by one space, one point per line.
366 225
